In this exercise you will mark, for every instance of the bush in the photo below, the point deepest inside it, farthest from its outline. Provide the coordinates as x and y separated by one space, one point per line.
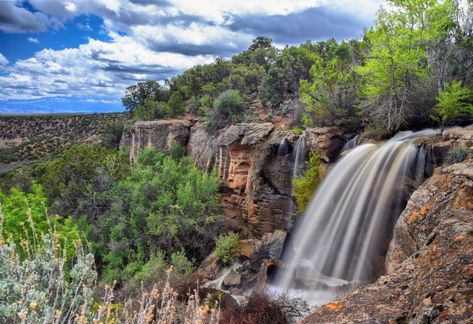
458 155
164 204
261 309
225 247
453 103
304 186
41 289
25 220
79 172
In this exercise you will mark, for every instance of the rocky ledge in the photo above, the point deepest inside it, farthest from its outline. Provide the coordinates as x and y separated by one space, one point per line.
429 263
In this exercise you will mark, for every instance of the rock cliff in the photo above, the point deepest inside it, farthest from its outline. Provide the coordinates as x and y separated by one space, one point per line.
429 262
256 180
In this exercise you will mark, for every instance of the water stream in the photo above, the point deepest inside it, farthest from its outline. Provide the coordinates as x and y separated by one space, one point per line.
341 239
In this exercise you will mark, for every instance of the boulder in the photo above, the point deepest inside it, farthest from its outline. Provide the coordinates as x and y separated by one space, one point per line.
233 278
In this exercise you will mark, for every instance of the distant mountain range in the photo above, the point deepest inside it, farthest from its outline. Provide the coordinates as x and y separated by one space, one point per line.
54 105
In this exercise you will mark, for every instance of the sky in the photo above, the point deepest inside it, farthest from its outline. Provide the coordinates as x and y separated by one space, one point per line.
81 55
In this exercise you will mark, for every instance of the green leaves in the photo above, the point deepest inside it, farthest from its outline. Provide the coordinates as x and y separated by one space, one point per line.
25 220
161 205
226 247
454 102
304 186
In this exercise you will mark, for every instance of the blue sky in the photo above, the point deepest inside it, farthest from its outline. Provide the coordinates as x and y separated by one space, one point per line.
80 55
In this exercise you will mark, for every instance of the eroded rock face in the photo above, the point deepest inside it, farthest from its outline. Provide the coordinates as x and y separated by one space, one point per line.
430 260
327 141
256 178
159 134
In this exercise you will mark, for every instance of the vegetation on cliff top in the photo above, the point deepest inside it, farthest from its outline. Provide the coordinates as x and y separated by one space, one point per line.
416 51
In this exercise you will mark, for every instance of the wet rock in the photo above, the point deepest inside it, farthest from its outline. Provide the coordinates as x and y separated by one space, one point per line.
209 268
430 262
232 279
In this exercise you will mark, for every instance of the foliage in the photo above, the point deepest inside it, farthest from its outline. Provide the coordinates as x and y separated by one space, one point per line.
78 172
454 102
304 186
330 97
38 289
164 204
25 219
225 247
112 132
138 94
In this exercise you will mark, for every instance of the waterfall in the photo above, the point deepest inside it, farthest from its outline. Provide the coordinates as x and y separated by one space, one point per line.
283 147
342 236
299 156
352 143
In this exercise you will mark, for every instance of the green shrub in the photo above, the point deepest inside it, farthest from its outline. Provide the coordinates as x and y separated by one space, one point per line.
25 220
226 247
165 204
304 186
79 172
298 131
455 102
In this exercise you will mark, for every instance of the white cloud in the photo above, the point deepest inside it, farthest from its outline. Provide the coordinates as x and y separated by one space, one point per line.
3 60
95 68
33 40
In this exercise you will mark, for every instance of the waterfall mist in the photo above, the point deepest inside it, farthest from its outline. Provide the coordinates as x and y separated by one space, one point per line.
341 239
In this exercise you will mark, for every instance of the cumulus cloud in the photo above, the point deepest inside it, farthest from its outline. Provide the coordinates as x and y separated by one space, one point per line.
16 19
156 39
95 68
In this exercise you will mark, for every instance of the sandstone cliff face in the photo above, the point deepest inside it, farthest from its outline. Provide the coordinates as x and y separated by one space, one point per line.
256 180
159 134
430 260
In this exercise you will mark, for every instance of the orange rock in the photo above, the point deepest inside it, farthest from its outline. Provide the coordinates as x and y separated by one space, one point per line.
334 307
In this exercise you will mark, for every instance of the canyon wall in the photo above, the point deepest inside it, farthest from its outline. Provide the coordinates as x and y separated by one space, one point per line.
256 180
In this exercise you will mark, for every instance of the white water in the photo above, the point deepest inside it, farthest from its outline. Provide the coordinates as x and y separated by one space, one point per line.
339 240
299 156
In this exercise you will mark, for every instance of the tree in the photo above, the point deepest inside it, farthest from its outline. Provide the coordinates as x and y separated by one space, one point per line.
80 172
329 95
137 94
454 103
398 89
176 104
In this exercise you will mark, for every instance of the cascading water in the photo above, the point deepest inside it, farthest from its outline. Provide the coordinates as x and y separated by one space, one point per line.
299 156
283 147
352 143
343 234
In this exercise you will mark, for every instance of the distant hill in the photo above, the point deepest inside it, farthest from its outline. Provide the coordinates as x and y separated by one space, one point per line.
31 137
